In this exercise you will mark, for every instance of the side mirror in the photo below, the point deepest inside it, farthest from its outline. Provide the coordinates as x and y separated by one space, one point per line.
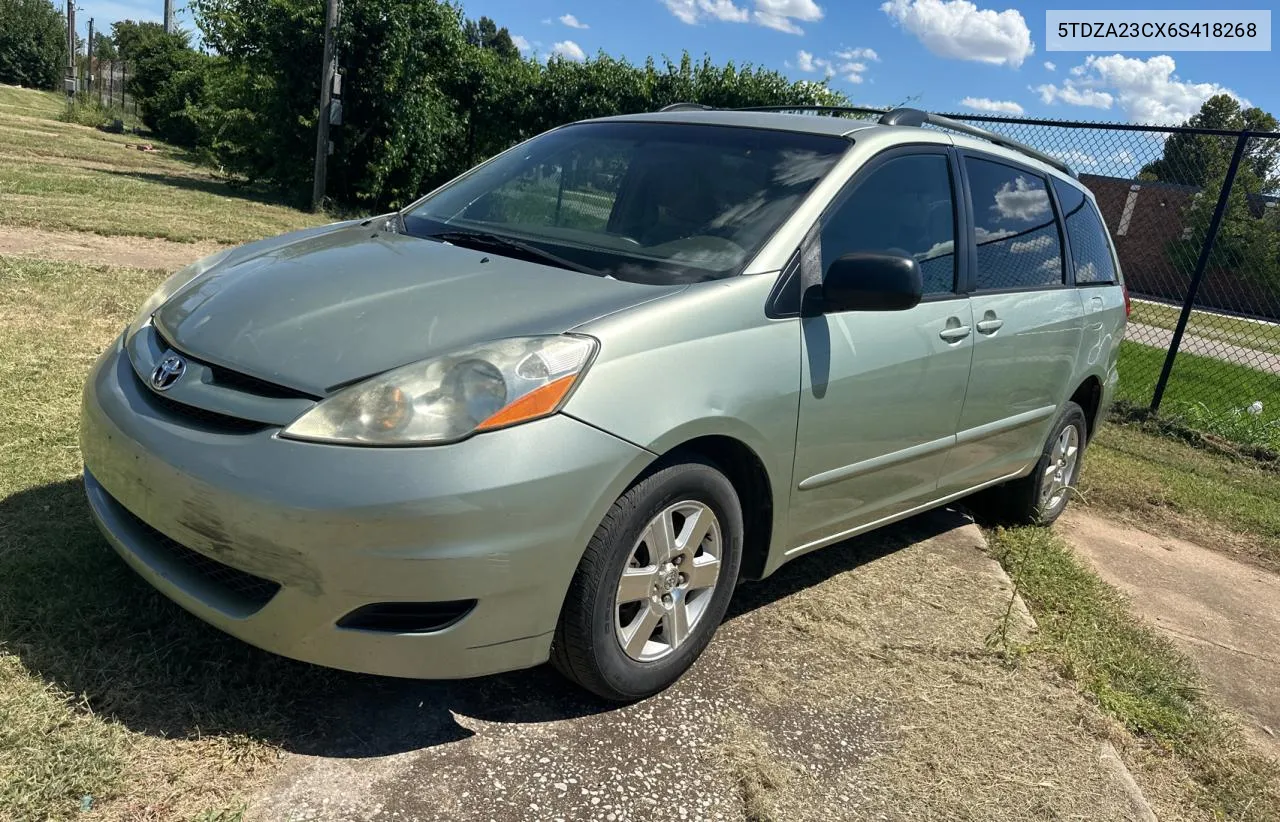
866 281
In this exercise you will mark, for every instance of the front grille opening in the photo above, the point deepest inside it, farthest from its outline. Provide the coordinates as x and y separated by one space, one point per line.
407 617
207 420
250 591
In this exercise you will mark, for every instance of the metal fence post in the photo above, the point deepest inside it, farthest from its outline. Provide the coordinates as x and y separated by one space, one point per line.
1202 263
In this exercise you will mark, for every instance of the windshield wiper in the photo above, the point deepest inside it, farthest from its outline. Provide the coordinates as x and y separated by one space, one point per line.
483 239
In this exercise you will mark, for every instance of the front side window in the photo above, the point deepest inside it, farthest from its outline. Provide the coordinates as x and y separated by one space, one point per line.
646 202
1090 250
1014 230
903 206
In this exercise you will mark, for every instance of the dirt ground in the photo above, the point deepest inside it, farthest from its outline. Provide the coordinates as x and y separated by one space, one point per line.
1223 613
82 247
861 682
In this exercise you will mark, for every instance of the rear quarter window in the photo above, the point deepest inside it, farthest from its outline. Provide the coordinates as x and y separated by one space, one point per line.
1087 236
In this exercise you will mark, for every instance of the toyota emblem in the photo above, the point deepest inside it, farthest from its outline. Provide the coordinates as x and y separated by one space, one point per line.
168 372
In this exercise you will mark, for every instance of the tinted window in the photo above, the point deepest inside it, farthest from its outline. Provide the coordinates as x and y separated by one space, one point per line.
1015 233
647 202
1090 251
901 207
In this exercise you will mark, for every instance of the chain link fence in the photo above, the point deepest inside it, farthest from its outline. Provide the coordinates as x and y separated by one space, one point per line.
1195 217
105 82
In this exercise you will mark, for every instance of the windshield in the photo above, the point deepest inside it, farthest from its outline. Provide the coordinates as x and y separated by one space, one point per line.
646 202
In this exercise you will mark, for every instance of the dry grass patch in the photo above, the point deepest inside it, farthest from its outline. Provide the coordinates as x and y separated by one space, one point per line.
107 689
900 643
63 176
1161 483
1184 742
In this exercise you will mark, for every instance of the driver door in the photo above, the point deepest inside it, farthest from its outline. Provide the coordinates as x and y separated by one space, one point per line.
882 392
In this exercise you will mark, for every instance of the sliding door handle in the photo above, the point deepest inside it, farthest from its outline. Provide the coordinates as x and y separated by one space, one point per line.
990 326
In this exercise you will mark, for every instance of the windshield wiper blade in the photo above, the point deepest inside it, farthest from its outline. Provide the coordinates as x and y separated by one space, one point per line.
485 239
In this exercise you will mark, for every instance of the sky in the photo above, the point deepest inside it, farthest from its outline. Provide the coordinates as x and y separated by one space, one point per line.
943 55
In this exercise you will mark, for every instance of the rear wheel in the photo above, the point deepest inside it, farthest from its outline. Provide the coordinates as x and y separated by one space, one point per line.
653 585
1040 497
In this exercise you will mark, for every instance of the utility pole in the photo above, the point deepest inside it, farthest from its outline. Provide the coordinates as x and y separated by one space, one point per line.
327 71
70 81
168 16
89 60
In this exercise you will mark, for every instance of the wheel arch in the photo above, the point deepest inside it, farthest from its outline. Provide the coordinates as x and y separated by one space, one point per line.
747 473
1088 395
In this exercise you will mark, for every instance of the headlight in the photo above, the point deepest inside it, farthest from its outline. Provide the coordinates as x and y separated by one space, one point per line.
445 399
170 287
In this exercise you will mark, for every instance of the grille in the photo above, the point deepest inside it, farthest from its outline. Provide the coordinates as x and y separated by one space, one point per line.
251 590
209 420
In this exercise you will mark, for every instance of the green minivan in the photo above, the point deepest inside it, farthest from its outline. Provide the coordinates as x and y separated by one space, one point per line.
558 408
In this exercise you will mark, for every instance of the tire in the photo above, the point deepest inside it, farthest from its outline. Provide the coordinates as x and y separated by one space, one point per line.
1040 497
667 577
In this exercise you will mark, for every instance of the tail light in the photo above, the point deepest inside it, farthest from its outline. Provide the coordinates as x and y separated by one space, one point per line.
1128 307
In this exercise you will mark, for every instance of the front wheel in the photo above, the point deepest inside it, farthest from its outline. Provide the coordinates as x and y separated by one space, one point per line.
653 585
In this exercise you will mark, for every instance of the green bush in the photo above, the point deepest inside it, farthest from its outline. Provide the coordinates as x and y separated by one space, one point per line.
33 45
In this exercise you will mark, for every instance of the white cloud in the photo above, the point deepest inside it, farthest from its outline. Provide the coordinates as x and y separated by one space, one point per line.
1075 157
1148 91
858 54
694 11
1019 200
1040 243
780 14
852 72
569 50
1073 95
522 43
850 64
573 22
996 106
1050 65
960 30
774 14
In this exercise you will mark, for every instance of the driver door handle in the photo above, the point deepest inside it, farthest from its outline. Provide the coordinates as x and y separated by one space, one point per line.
954 333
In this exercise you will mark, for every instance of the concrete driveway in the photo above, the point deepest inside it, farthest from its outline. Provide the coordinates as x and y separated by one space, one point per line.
859 682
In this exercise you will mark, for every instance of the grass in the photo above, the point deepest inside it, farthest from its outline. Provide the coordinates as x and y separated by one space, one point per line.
62 176
1205 393
111 698
1260 336
1160 482
107 689
29 102
1135 676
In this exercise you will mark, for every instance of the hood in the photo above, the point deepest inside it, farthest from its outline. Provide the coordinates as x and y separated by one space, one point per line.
332 308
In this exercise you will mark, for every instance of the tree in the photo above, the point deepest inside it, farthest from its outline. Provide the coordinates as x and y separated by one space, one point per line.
486 34
131 37
1187 157
160 61
33 43
104 48
1248 240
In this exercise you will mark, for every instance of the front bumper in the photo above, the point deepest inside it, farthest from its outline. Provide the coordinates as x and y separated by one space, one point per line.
502 519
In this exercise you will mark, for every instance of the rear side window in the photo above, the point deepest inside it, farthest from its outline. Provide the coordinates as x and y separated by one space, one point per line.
903 206
1090 251
1015 233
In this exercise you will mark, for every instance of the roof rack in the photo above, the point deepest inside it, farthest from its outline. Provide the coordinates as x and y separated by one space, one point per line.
906 117
916 117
